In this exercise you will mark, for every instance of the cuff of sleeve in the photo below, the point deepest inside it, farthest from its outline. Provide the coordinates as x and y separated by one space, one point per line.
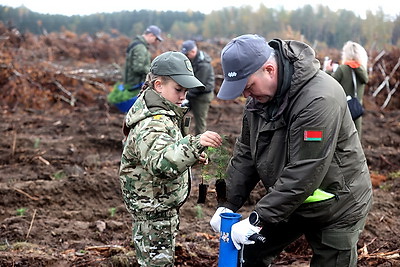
195 143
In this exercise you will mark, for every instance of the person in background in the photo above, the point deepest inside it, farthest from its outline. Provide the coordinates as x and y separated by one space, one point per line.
298 139
157 156
138 57
137 65
200 98
354 60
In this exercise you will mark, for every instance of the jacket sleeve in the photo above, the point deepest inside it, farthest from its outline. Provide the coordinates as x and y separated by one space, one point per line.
242 175
362 75
308 159
160 149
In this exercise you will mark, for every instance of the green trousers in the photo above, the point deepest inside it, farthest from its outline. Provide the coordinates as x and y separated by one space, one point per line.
332 247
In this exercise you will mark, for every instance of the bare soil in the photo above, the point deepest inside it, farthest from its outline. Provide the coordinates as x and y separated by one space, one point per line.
61 202
60 149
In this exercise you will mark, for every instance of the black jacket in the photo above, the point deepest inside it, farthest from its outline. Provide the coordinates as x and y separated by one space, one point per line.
204 72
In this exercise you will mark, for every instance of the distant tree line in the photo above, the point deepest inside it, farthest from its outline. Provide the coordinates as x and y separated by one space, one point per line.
314 24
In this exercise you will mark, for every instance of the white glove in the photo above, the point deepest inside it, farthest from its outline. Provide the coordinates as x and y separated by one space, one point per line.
241 231
215 221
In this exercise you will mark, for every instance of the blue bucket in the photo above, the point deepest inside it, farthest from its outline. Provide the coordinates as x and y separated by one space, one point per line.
228 254
126 105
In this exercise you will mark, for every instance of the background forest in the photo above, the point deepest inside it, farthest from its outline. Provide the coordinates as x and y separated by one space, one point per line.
319 26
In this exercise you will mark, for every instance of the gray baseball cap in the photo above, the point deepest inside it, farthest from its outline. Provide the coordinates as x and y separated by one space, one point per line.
177 66
187 46
156 31
240 58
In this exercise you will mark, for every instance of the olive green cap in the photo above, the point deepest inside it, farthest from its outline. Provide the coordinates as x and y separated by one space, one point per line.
177 66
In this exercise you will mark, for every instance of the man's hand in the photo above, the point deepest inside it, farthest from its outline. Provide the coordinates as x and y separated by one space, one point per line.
210 138
216 219
241 232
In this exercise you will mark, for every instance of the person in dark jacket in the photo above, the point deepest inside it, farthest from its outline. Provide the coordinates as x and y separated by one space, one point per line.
354 61
200 99
299 141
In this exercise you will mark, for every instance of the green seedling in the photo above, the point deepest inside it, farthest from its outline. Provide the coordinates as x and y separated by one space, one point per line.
59 175
21 211
112 211
199 212
36 144
394 175
218 161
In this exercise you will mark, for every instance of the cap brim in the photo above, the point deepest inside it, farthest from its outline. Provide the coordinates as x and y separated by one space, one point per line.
159 38
231 89
187 81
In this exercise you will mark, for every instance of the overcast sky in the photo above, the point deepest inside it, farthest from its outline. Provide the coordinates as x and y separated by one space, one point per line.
82 7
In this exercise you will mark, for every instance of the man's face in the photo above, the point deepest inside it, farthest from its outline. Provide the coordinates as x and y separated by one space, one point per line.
154 40
262 84
192 53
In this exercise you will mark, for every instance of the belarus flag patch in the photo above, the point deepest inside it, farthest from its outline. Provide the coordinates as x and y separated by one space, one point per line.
312 135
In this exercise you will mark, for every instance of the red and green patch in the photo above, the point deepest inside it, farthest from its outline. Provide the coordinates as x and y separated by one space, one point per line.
312 135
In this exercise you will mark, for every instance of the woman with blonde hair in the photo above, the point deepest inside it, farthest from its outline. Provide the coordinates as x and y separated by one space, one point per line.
354 63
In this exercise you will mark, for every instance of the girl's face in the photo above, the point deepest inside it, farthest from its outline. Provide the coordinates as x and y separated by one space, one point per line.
171 90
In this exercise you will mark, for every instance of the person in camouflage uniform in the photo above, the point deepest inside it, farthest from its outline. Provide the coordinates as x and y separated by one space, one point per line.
157 156
138 57
137 65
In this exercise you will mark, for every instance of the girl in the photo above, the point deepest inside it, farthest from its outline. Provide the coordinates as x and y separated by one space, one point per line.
157 155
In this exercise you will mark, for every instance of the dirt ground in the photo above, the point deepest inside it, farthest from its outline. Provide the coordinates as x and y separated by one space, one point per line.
60 149
61 202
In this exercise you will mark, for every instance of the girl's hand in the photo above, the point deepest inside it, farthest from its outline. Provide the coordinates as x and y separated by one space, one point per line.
203 159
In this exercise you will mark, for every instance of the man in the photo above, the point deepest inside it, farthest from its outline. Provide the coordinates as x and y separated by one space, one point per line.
137 65
200 99
299 140
138 57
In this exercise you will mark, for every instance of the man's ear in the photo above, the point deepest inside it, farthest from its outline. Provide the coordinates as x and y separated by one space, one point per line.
270 69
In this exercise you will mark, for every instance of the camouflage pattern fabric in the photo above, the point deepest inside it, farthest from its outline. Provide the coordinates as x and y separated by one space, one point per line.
155 166
137 63
154 240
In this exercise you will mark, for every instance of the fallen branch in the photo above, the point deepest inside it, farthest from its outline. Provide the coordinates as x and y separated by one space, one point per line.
30 227
383 255
14 143
364 250
384 159
378 57
103 248
381 86
385 83
389 96
395 68
43 160
62 88
85 80
26 194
